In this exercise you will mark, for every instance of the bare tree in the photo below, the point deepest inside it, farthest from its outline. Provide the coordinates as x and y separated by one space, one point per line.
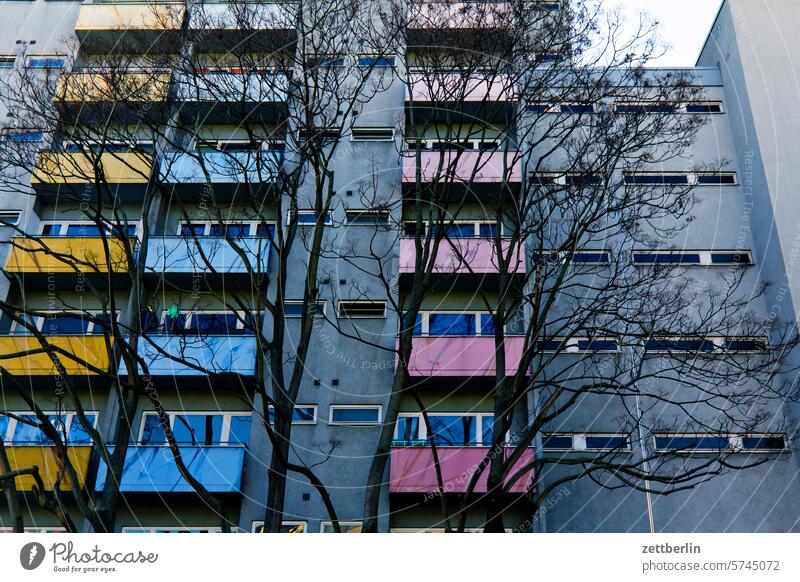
538 125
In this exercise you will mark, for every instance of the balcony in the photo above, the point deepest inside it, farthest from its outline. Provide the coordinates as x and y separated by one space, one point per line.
152 469
228 174
441 97
42 256
264 27
412 470
57 173
122 26
463 24
123 97
218 96
212 354
461 356
88 349
464 256
25 457
472 170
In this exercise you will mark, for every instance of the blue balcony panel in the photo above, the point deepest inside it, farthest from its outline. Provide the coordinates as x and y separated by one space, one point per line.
187 255
214 354
153 469
238 167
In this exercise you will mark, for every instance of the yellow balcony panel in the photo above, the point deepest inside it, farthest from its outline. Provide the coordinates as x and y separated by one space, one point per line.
25 457
125 16
76 168
90 350
140 87
53 254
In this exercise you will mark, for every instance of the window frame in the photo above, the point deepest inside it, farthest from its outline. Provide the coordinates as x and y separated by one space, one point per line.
315 407
477 224
309 212
718 344
423 429
322 303
5 214
340 315
224 431
425 322
8 438
333 407
191 313
18 328
383 217
259 523
252 226
706 257
367 129
574 342
579 442
323 524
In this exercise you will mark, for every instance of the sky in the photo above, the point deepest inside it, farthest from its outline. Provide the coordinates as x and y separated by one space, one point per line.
684 25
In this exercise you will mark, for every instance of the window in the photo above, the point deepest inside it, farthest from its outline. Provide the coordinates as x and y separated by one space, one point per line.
747 443
372 134
64 323
21 136
46 62
654 178
231 228
447 430
86 229
644 107
7 61
444 323
763 442
576 345
286 527
367 216
377 62
205 323
458 229
692 258
355 414
197 428
362 309
565 179
586 442
309 218
9 217
326 61
716 179
171 529
301 414
344 527
323 134
704 107
579 108
709 344
295 308
27 432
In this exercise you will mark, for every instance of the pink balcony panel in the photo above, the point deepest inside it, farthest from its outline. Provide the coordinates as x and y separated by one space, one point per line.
460 356
467 166
455 255
439 88
459 15
412 470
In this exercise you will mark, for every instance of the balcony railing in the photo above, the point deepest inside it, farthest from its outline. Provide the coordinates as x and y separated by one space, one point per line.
206 254
54 254
465 167
230 16
197 355
462 356
102 87
129 16
464 255
437 87
153 469
86 348
76 168
241 169
235 87
44 457
412 470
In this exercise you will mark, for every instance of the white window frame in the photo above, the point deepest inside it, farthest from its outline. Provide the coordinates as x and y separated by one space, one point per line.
225 433
705 257
579 442
423 429
320 303
5 215
717 341
290 522
301 422
308 212
384 128
252 225
18 328
342 524
201 529
560 255
340 315
190 314
687 451
70 418
572 345
378 213
425 323
37 529
65 224
477 223
705 102
433 143
692 178
333 407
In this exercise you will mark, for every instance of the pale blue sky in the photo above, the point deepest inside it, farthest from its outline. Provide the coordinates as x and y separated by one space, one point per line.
684 25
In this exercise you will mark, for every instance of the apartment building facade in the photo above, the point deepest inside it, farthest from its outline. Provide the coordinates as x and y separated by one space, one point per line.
201 355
